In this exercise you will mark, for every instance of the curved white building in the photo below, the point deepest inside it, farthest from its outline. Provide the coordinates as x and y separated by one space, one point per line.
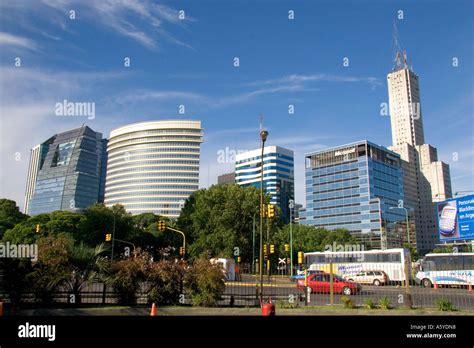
153 166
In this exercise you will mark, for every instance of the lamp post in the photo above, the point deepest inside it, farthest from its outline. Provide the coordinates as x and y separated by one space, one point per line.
263 137
408 225
113 239
291 205
253 244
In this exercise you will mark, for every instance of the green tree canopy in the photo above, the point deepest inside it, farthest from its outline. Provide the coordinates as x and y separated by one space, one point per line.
10 215
218 219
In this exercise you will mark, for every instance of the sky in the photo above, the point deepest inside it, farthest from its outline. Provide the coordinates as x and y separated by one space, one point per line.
329 61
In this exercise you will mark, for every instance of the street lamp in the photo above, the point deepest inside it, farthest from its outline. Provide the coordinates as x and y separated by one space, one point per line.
291 205
408 225
263 138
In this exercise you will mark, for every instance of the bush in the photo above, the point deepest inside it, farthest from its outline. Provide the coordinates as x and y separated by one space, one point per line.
444 305
384 303
347 301
15 283
204 282
370 304
165 280
127 275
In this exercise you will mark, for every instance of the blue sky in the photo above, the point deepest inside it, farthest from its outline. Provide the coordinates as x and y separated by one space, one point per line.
190 62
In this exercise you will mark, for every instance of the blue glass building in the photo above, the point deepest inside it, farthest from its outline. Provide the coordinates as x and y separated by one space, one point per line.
353 187
70 173
278 174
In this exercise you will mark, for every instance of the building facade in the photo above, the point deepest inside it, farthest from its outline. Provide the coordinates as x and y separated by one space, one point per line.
426 179
224 179
354 187
153 166
278 174
69 171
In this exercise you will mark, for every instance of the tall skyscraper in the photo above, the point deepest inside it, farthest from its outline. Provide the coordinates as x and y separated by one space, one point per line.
68 172
356 187
426 179
278 174
153 166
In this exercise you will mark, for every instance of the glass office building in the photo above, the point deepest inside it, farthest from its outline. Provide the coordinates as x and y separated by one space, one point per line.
153 166
278 174
69 173
353 187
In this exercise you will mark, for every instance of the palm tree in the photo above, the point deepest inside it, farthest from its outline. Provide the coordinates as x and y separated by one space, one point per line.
86 266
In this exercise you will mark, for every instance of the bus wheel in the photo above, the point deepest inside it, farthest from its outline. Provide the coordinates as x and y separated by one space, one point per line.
426 283
347 291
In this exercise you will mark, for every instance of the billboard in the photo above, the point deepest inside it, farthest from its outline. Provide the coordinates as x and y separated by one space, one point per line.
456 219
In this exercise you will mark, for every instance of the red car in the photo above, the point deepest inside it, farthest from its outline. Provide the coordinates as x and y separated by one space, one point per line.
320 284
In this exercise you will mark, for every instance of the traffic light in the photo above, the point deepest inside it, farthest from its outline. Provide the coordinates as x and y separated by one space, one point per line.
108 237
300 257
38 228
272 249
263 210
287 247
238 259
182 251
161 225
265 249
271 210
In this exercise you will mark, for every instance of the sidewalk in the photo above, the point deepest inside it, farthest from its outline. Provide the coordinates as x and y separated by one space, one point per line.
206 311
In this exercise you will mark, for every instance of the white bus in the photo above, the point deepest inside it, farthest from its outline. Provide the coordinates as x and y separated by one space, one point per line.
446 269
347 263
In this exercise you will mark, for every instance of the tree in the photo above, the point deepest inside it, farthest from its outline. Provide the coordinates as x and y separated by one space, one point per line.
65 222
99 220
10 215
84 266
25 231
219 219
52 266
308 238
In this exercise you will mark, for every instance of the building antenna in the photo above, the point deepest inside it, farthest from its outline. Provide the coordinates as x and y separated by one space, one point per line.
396 46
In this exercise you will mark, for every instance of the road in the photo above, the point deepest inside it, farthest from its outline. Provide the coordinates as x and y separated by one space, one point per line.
282 289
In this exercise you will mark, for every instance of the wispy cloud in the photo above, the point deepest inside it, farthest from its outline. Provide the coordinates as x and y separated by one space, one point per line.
297 79
142 21
9 40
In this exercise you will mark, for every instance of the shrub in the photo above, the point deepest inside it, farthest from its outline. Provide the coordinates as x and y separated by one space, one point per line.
165 280
370 304
347 301
384 303
204 282
127 275
51 268
15 282
444 305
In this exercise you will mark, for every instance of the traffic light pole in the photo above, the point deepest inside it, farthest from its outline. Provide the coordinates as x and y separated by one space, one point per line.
184 238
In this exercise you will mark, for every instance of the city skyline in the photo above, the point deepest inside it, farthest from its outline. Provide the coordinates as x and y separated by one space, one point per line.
333 104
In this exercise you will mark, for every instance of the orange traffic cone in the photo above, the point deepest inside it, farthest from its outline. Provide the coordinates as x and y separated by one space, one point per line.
435 285
153 310
468 289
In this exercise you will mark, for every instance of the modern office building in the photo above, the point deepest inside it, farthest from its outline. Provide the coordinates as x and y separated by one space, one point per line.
228 178
278 174
426 179
354 187
153 166
37 155
65 172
